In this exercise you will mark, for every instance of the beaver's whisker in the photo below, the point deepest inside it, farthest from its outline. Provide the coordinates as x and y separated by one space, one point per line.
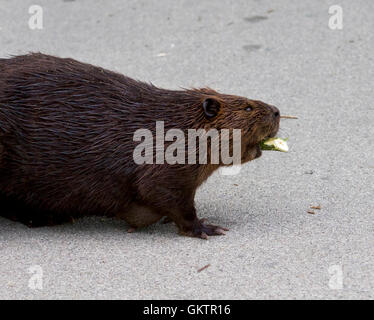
288 117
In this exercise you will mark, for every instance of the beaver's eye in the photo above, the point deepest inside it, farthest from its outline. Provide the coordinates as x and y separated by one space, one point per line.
248 108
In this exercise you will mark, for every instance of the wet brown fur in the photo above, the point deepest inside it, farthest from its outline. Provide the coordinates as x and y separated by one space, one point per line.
66 142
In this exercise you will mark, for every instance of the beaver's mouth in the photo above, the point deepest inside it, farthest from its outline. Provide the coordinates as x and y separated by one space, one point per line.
270 133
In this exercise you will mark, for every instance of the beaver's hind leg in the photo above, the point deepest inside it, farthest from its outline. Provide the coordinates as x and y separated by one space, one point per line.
139 216
17 210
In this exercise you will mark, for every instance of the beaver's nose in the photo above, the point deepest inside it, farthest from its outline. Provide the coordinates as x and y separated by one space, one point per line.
276 112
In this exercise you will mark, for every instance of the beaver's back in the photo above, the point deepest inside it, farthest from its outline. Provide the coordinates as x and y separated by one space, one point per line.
65 133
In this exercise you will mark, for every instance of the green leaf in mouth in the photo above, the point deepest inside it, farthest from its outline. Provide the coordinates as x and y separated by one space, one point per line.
275 144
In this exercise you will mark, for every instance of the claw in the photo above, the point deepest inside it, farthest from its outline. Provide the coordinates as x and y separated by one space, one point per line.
203 231
220 232
204 236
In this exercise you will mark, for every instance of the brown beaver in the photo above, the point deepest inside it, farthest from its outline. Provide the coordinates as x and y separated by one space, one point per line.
66 143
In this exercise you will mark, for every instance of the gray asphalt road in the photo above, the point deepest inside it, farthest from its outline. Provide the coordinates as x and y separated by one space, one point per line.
282 52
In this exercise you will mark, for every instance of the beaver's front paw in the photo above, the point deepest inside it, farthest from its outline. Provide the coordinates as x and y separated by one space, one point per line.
258 152
201 230
253 153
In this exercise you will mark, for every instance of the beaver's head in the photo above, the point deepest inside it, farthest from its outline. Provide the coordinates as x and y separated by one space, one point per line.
256 120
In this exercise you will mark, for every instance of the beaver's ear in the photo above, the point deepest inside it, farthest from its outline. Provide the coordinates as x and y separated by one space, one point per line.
211 107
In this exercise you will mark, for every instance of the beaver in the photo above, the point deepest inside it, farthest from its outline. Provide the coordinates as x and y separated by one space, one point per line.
66 143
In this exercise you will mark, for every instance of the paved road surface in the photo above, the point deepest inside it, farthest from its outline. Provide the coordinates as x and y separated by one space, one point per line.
281 52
